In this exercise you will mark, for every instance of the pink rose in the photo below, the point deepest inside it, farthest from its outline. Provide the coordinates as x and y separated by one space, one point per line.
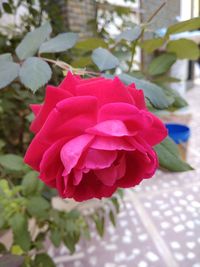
93 136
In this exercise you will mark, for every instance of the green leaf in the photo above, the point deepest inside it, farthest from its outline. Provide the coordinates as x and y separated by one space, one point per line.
153 92
69 242
34 73
112 218
19 225
130 34
165 79
32 41
60 43
12 162
10 260
161 64
104 59
6 57
2 248
81 62
151 45
38 207
116 204
31 184
7 8
183 26
91 44
169 157
184 48
8 72
17 250
99 223
43 260
55 237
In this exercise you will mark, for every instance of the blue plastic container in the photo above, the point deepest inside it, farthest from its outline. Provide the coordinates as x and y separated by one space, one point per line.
180 133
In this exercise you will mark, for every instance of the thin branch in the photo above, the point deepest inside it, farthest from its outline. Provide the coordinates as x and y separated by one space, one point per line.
156 12
142 33
66 66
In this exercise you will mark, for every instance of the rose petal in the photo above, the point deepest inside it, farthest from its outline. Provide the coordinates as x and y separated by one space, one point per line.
110 128
69 119
138 96
51 161
106 91
69 83
53 96
156 133
138 167
133 118
35 108
72 151
110 175
90 187
97 159
111 143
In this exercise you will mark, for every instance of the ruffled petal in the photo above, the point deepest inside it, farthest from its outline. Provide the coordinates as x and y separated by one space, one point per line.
90 187
156 133
69 83
111 128
35 108
69 119
106 91
72 151
138 96
53 96
96 159
111 143
133 118
110 175
51 162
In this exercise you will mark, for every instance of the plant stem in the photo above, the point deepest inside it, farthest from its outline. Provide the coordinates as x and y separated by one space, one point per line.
156 12
65 66
142 33
132 54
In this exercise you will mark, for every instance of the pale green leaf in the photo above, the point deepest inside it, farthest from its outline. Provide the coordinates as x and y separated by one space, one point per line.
130 34
31 184
81 62
184 49
43 260
169 157
38 207
161 64
152 91
6 57
12 162
19 225
151 45
35 73
91 44
112 218
60 43
8 72
104 59
188 25
56 237
32 41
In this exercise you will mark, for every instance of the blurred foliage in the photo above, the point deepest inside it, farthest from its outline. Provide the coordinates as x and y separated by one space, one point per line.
32 53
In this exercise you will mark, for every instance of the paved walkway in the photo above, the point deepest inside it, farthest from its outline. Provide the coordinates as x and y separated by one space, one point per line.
159 223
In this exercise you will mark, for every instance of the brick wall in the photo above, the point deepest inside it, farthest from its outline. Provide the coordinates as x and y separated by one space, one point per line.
77 15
